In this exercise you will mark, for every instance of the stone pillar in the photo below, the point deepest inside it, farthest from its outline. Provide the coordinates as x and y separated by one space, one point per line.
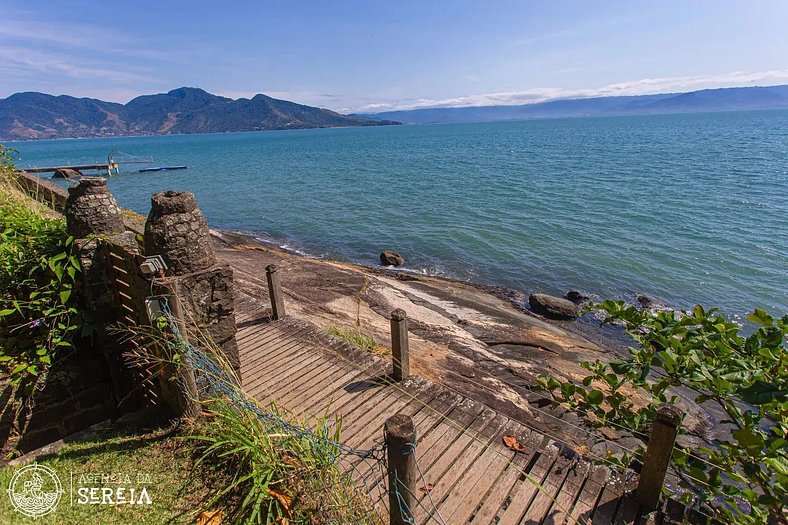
176 229
92 210
93 216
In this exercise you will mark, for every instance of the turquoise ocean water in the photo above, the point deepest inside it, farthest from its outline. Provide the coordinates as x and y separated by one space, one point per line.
684 208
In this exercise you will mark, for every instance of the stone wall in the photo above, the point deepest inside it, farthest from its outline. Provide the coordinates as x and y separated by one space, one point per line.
96 383
77 393
42 190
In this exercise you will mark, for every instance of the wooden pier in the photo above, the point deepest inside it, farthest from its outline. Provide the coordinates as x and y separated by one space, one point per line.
469 475
103 168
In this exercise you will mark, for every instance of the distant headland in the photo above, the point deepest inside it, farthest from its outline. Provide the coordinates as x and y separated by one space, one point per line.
32 116
706 100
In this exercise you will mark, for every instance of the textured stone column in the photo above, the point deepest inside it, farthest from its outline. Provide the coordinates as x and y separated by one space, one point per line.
176 229
92 210
93 217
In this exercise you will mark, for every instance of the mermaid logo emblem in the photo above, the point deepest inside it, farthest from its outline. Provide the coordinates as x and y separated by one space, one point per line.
35 490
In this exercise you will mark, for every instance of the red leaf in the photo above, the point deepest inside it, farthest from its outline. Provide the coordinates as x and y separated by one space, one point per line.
512 443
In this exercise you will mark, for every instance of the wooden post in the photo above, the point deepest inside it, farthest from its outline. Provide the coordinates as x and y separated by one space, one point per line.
657 459
399 433
399 344
183 394
275 291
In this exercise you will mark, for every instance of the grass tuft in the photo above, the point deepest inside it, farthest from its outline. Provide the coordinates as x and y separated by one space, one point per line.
355 337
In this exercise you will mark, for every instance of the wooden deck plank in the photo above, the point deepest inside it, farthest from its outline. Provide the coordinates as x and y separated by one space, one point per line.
608 501
452 465
317 371
266 333
266 355
492 503
281 376
569 493
469 493
526 491
424 417
353 394
489 510
589 494
474 477
277 353
546 498
327 388
369 427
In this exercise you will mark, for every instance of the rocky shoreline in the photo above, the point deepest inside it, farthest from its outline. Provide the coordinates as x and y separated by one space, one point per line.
478 340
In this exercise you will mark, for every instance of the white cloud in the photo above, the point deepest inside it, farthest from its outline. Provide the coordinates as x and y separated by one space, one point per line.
636 87
22 63
81 36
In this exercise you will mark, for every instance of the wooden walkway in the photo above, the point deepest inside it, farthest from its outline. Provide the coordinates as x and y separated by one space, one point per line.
475 478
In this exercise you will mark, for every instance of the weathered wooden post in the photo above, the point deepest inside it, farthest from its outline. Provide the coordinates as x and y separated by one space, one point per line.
399 433
185 400
399 344
275 291
657 459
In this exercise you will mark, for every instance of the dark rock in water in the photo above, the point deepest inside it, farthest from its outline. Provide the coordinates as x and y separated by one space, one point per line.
645 301
577 297
551 306
389 258
66 173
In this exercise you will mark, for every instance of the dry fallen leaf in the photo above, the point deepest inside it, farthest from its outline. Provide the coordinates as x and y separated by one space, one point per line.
284 499
512 443
211 517
609 433
583 450
290 460
426 489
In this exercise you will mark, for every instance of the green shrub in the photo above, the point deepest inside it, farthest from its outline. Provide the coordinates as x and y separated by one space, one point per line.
744 473
38 270
280 471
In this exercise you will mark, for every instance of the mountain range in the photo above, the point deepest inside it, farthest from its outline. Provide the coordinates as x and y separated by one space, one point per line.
31 115
724 99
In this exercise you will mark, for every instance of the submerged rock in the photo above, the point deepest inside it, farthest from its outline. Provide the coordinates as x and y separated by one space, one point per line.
551 306
645 301
390 258
577 297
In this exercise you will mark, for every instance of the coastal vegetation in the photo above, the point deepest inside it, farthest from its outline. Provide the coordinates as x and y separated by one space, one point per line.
742 475
356 337
39 313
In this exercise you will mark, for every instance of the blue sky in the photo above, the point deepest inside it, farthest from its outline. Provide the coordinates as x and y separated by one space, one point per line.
373 55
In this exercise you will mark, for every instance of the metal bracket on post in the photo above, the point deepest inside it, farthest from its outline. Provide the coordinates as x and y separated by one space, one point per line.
153 265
